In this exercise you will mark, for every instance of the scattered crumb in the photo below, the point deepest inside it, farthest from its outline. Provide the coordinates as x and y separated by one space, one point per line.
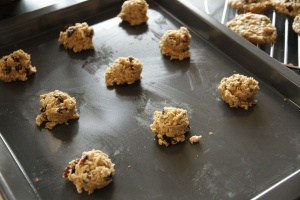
129 166
195 139
37 179
210 133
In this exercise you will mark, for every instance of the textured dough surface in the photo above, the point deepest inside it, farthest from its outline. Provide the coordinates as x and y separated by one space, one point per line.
256 28
123 70
175 43
134 12
93 170
287 7
56 108
170 125
77 38
254 6
239 91
296 24
16 67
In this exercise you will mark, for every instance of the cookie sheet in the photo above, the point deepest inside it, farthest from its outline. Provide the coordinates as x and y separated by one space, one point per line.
241 153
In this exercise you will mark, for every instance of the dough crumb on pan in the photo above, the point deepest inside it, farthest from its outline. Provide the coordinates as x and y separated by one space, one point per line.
195 139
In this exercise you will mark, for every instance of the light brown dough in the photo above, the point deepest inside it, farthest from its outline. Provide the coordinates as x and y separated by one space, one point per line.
175 43
239 91
134 12
123 70
77 38
256 28
93 170
170 125
16 67
195 139
56 108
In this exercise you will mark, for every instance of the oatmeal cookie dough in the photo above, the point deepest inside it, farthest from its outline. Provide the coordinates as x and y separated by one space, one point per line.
134 12
296 24
170 125
256 28
175 43
123 70
254 6
239 91
16 67
77 38
93 170
287 7
56 108
195 139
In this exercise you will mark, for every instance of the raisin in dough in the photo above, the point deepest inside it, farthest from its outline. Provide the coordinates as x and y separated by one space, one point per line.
254 6
256 28
287 7
78 37
175 43
170 125
56 108
123 70
134 12
93 170
239 91
16 67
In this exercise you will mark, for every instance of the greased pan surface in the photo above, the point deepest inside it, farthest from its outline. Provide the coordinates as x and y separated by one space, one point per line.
247 152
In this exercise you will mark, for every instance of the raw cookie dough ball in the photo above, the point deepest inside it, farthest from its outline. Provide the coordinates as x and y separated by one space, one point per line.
254 6
287 7
296 24
134 12
78 37
170 125
94 170
123 70
16 66
239 91
256 28
176 44
56 108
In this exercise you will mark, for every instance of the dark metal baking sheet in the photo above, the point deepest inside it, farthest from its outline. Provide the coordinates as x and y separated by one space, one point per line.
247 152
